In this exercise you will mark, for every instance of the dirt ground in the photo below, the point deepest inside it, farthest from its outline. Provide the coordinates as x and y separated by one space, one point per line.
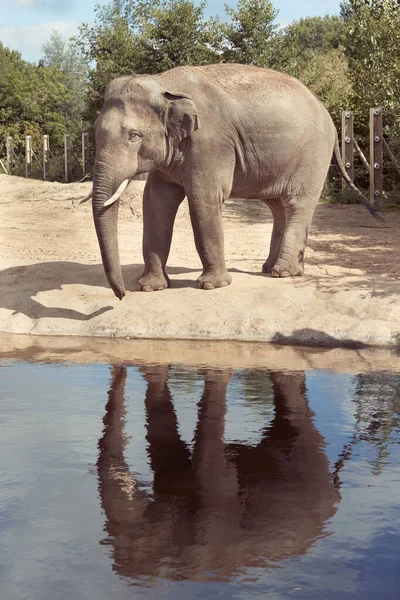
51 279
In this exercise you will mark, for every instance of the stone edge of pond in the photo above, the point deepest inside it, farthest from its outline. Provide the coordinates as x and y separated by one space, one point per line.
197 353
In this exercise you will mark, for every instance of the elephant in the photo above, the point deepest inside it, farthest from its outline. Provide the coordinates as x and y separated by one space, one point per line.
209 133
214 507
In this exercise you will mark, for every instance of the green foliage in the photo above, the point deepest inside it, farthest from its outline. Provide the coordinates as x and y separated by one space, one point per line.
112 47
145 36
312 50
249 34
176 34
327 76
135 36
67 58
333 193
300 41
373 48
31 100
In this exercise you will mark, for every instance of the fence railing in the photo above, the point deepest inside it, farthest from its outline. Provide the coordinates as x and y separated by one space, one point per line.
74 161
379 148
67 164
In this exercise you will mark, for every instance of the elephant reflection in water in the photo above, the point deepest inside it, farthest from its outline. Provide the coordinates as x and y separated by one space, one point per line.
218 508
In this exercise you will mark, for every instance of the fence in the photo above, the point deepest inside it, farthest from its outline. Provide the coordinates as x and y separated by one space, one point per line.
379 150
369 161
71 163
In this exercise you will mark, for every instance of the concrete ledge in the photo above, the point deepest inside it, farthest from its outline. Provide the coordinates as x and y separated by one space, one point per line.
199 354
74 302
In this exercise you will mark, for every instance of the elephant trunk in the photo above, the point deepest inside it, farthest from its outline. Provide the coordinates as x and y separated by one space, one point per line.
106 223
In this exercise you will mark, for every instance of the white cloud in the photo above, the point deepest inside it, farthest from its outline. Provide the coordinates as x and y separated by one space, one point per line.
29 39
282 25
52 5
25 3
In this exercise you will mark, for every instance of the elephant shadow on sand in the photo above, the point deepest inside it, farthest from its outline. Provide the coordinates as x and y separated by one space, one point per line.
215 508
20 285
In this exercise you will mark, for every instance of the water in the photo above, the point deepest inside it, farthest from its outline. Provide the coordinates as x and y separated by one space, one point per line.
178 483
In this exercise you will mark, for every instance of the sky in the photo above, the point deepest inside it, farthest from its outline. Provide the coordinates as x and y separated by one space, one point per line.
25 25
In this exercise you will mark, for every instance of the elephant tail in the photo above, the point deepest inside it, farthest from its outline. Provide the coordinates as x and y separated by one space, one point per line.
374 209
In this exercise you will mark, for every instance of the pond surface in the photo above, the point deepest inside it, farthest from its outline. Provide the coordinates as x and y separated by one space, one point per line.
177 483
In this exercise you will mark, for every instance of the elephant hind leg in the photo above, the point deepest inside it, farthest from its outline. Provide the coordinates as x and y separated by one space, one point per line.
278 211
299 214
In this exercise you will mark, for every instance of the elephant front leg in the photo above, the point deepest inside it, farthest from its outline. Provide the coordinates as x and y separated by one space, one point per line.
206 217
161 201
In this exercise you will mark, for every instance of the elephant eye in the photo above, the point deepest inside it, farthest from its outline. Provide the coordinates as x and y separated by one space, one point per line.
134 136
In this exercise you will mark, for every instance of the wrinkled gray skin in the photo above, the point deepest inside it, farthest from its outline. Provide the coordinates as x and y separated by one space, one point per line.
210 133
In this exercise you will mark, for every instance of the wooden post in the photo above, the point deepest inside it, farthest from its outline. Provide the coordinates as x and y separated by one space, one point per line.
10 155
46 152
85 153
67 157
348 144
376 154
28 155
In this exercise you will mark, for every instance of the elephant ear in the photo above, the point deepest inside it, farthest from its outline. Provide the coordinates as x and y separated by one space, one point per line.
182 117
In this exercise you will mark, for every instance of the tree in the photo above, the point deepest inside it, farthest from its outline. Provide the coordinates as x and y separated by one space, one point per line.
302 40
145 36
250 33
373 50
67 58
327 75
377 415
312 49
31 100
176 34
111 46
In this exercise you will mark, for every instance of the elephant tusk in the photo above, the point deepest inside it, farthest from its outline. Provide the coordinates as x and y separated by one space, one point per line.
86 198
117 194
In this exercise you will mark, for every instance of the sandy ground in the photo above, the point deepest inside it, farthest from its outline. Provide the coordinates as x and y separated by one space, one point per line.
52 281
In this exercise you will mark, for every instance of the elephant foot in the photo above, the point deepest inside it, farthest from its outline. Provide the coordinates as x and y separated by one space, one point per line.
152 282
284 269
211 281
268 266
